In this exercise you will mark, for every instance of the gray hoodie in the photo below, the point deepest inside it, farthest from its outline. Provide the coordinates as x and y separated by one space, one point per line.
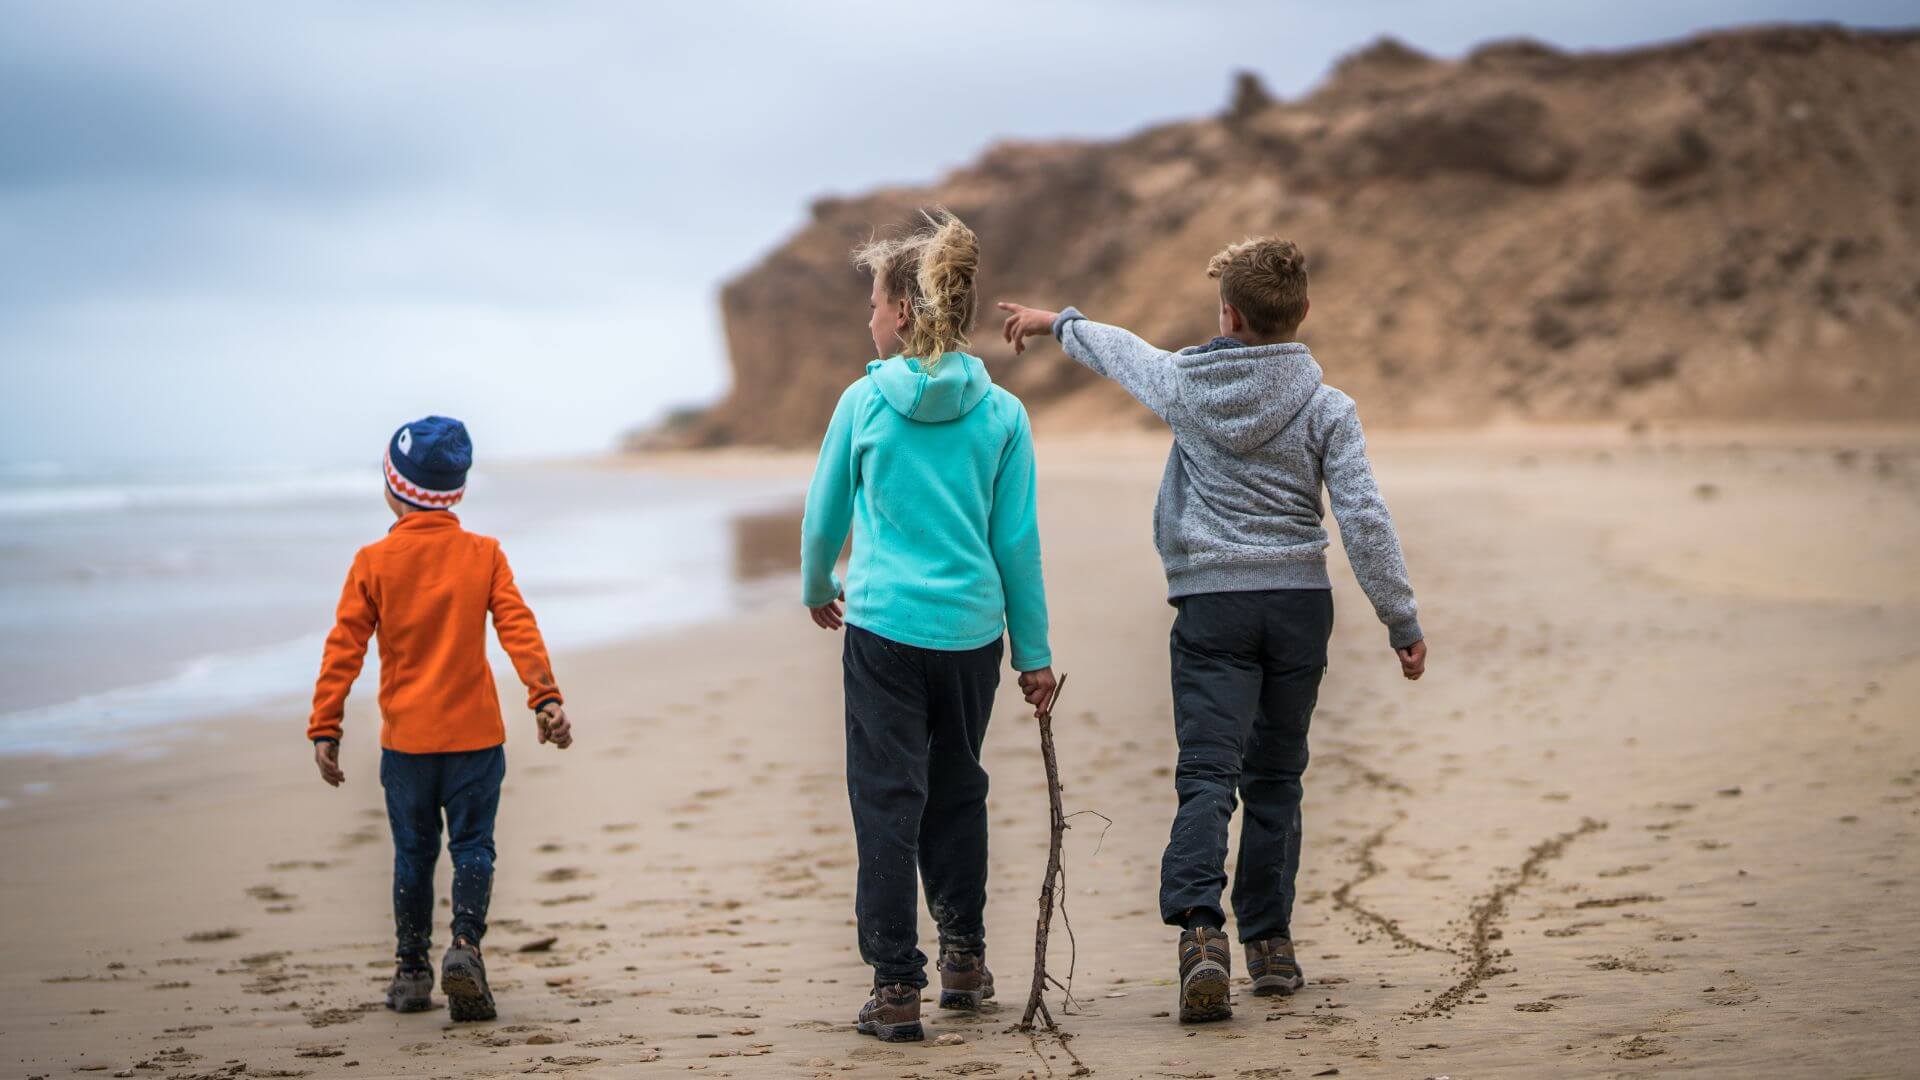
1255 434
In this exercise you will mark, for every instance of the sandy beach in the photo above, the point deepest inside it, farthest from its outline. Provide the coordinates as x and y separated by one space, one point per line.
1653 807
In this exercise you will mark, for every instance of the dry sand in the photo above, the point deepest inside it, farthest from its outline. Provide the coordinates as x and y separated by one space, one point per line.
1652 808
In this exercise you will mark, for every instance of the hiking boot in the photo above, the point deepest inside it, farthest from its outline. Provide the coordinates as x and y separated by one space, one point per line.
411 989
463 978
1272 967
893 1014
965 981
1204 972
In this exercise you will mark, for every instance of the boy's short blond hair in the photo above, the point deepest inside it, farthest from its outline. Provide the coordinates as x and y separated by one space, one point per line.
1266 280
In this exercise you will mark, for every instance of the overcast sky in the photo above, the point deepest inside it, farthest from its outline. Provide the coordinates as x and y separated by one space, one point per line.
275 230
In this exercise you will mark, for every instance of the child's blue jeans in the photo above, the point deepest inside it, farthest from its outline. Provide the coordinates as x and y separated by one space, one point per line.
466 786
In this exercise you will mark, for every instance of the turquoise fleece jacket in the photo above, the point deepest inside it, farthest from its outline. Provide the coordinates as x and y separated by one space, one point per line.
934 474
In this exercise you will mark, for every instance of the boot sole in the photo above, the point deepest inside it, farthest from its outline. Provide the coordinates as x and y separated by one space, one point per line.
410 1005
1205 997
907 1032
965 1000
1277 985
468 998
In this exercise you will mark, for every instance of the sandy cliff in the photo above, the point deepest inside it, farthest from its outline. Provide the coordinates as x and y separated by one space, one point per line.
1724 227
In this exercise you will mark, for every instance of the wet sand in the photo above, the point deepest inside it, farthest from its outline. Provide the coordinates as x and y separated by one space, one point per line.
1652 808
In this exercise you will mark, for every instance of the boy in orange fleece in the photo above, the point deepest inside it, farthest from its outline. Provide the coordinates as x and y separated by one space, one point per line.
427 589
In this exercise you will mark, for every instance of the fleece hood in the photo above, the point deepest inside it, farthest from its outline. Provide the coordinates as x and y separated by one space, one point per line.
958 383
1244 394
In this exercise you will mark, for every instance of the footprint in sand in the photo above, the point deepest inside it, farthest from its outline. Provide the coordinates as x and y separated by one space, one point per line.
538 946
365 834
1619 901
1615 963
330 1017
1623 871
1640 1047
1572 930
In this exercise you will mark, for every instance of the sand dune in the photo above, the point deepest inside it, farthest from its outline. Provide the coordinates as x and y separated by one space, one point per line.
1652 808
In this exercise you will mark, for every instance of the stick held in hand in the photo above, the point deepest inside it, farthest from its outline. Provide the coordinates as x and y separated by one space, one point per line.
1057 824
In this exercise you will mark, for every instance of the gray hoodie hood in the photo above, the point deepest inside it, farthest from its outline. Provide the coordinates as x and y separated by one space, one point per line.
1243 395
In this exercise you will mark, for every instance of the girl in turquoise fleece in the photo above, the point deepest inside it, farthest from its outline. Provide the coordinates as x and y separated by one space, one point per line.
931 466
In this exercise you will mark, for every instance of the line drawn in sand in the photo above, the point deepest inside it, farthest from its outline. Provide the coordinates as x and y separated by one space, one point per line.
1370 869
1489 910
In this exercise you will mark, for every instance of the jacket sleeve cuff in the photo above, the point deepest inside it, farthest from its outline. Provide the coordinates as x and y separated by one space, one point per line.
1061 320
550 699
317 739
1025 664
813 599
1403 634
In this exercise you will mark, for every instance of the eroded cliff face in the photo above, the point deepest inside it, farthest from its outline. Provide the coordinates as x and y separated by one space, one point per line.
1722 228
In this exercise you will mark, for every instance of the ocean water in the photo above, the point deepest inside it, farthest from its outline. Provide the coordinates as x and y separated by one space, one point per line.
136 602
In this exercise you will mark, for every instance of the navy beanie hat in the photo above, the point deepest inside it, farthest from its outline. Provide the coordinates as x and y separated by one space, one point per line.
427 462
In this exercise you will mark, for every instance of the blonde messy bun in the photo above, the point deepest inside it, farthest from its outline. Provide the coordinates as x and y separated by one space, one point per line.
933 269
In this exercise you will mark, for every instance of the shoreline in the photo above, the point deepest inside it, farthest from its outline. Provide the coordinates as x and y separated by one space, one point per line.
1731 718
158 617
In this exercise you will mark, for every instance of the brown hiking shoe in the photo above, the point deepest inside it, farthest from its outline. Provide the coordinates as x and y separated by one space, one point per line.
893 1014
1204 973
1271 965
965 981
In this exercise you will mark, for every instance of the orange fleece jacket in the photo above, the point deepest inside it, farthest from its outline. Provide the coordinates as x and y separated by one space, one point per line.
427 588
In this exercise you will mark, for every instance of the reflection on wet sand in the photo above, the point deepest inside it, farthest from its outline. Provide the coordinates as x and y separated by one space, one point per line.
766 543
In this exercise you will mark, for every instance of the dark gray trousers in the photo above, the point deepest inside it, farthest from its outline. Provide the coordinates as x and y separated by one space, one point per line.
1246 675
915 721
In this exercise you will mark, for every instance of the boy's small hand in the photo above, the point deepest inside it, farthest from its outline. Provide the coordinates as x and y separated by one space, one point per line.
1413 659
554 727
827 615
326 754
1023 323
1037 686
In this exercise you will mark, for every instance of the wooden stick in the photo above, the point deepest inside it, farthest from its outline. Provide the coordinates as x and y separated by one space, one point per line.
1057 822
